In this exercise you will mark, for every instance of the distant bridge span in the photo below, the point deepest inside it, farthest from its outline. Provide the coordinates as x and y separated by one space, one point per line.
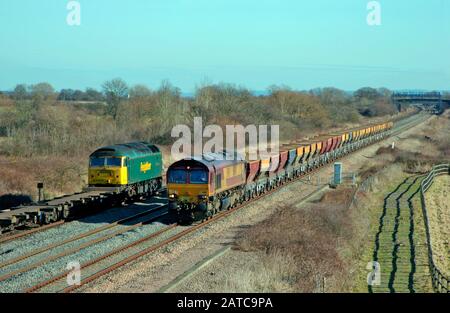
434 101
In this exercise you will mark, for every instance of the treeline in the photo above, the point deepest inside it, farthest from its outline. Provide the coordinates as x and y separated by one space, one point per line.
37 120
23 91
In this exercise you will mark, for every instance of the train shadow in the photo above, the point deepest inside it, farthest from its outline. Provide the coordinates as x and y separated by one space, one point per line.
157 205
9 201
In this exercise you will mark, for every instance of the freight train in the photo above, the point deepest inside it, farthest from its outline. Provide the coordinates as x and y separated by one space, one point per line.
199 187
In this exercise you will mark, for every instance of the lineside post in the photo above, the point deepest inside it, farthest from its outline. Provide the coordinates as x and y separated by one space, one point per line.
337 173
40 187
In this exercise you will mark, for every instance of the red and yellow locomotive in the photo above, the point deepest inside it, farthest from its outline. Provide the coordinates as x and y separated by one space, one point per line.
200 187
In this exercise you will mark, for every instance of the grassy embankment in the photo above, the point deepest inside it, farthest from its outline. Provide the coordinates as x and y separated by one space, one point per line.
438 205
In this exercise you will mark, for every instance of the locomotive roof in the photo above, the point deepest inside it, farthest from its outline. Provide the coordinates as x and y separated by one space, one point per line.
213 160
132 149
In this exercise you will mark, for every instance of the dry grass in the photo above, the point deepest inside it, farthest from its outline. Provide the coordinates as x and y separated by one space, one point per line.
413 162
343 195
436 135
420 151
308 240
60 175
438 205
328 238
275 273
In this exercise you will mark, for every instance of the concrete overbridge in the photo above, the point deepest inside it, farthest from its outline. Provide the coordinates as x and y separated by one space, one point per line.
434 102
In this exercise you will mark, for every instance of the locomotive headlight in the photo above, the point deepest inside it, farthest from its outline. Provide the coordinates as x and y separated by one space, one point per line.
202 197
172 196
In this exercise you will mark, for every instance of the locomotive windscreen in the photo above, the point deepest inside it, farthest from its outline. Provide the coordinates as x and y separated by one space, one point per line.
99 162
177 176
198 176
191 176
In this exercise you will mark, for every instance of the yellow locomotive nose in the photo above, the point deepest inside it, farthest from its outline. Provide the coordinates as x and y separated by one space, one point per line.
188 192
107 176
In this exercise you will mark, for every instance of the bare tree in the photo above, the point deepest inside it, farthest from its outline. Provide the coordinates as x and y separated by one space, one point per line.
140 91
115 91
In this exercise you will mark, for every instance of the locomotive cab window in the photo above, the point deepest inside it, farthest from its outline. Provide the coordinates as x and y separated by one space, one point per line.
198 176
177 176
113 162
97 162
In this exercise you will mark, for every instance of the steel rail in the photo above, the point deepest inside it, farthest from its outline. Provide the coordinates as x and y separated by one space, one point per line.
31 231
97 260
80 236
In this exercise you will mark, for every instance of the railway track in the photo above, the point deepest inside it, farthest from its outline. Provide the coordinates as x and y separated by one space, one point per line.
129 252
28 219
30 231
24 266
82 236
16 234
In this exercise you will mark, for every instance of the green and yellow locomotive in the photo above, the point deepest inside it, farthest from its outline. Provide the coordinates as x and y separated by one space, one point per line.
133 168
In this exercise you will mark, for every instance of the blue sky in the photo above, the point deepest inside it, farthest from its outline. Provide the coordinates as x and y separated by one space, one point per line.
255 43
